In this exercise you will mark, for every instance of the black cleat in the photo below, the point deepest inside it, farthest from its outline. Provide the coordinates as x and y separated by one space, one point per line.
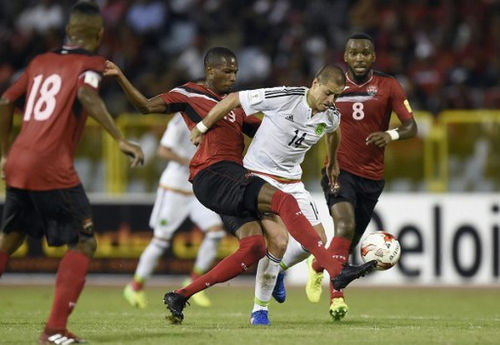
175 303
349 273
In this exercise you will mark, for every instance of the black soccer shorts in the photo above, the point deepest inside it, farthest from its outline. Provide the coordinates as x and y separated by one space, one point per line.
228 188
62 215
361 192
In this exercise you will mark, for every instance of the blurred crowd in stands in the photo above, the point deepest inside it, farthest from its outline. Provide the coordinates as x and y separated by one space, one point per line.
444 52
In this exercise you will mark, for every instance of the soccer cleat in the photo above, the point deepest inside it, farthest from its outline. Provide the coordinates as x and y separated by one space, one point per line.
135 298
338 308
175 303
279 291
260 318
64 337
314 281
200 298
349 273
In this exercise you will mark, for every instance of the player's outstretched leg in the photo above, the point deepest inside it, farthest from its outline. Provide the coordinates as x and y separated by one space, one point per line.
252 249
314 286
204 261
200 298
350 273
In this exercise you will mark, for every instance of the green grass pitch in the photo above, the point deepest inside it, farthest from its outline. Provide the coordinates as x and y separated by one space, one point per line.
377 316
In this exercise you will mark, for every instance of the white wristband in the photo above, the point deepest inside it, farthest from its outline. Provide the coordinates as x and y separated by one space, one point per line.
201 127
393 133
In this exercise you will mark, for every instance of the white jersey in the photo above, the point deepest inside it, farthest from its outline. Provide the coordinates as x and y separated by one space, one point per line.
176 138
288 129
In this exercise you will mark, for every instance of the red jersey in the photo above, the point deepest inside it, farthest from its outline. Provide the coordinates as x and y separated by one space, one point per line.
366 109
41 158
224 141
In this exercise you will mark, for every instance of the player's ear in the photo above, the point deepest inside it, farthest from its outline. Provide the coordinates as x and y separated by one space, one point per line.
209 71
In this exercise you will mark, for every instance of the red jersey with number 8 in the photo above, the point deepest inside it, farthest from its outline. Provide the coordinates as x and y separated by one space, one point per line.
365 109
41 158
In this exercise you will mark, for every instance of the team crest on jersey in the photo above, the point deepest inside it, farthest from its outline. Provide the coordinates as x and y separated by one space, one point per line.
372 90
289 117
320 128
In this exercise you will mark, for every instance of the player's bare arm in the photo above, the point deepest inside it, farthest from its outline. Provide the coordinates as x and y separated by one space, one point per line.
6 118
140 102
96 108
407 130
220 110
168 154
332 169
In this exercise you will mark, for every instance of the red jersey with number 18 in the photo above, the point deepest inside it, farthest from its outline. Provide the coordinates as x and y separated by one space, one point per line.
365 109
41 158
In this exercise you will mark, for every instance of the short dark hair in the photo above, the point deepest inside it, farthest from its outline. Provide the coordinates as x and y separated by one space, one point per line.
214 56
86 8
360 36
331 72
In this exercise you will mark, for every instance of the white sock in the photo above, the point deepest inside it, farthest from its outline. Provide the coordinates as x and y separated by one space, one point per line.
208 251
294 254
265 279
149 258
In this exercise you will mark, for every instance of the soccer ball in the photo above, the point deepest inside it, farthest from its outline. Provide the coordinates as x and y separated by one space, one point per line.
383 247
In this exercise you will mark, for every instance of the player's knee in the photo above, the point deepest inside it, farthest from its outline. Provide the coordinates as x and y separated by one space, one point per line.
345 227
277 245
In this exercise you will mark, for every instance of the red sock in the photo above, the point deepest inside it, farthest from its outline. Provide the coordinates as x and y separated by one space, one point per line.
316 266
4 258
299 227
251 250
335 293
339 247
137 284
69 283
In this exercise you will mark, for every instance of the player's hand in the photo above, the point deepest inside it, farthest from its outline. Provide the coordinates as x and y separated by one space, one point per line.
3 161
196 136
111 69
332 173
380 139
132 150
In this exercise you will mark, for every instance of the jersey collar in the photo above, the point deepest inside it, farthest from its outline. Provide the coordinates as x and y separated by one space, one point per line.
359 85
68 49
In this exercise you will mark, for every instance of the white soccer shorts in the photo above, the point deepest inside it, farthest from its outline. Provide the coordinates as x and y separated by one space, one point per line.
172 208
299 192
